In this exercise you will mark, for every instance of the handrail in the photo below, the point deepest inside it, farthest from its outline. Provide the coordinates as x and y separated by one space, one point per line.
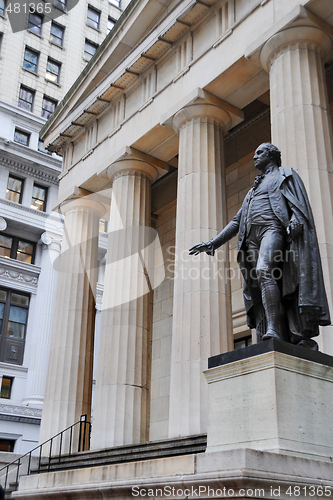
82 440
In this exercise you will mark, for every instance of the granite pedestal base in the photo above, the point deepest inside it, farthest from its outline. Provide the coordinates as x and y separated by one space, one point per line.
271 396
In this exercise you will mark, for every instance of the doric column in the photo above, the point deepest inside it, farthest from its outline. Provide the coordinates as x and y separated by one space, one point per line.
42 326
202 298
120 413
69 377
301 128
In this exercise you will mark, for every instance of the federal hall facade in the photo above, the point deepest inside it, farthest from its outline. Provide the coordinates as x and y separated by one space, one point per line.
159 132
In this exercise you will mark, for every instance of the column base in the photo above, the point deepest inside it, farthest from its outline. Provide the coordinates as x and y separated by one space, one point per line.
271 396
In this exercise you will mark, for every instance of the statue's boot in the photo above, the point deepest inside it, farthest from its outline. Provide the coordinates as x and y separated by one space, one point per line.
271 299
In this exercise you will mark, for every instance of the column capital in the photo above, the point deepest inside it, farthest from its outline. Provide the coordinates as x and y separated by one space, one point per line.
201 104
201 111
299 37
83 203
132 166
50 241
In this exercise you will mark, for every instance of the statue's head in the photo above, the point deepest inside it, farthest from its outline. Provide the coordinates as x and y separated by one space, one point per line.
266 153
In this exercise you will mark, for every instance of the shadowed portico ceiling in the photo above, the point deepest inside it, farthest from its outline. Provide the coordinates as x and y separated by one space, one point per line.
184 23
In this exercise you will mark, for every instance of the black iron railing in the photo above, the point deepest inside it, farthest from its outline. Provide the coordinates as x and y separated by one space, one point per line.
78 433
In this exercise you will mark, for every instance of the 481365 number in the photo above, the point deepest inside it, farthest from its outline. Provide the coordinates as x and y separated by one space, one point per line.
31 8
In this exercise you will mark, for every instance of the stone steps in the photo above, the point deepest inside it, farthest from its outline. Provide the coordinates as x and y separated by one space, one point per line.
128 453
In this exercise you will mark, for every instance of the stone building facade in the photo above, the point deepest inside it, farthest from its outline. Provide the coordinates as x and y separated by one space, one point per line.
163 128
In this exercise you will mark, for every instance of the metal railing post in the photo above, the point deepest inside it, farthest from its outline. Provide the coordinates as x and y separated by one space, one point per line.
29 463
17 472
60 446
50 454
70 441
40 457
6 477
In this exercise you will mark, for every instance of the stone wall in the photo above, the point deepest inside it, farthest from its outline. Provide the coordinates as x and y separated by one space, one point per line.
162 329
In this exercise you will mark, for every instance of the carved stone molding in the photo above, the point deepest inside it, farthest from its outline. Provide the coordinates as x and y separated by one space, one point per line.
50 241
21 410
34 172
18 274
31 210
3 224
22 414
99 296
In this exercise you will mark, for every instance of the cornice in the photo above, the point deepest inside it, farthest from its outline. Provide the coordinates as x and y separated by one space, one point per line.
44 215
34 171
38 121
20 414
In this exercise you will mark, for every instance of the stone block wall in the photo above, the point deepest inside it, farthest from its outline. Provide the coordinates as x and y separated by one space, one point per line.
162 329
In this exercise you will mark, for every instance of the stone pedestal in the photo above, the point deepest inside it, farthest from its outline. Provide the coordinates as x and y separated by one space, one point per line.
271 396
202 296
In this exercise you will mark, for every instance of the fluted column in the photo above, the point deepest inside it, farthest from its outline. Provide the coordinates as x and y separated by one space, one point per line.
301 128
202 297
42 326
69 377
120 413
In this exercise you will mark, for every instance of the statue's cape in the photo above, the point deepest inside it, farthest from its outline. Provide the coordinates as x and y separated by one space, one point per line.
302 278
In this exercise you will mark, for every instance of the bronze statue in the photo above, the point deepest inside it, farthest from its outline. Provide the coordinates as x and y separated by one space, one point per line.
278 254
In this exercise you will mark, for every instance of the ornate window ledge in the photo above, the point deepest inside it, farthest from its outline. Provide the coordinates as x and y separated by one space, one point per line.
19 275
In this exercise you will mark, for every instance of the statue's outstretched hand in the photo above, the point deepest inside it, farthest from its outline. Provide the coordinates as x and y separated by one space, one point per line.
202 247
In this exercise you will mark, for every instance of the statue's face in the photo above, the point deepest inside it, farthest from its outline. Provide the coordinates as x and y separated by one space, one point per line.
261 157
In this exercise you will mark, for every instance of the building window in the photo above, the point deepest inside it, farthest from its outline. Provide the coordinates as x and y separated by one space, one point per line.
42 149
35 23
57 34
6 387
6 243
2 7
115 2
30 60
26 98
93 17
60 4
16 248
13 317
48 106
243 342
14 189
89 49
21 137
53 71
103 225
111 23
7 445
38 201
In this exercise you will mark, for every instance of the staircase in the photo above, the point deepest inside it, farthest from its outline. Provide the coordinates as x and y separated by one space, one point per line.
127 453
73 440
